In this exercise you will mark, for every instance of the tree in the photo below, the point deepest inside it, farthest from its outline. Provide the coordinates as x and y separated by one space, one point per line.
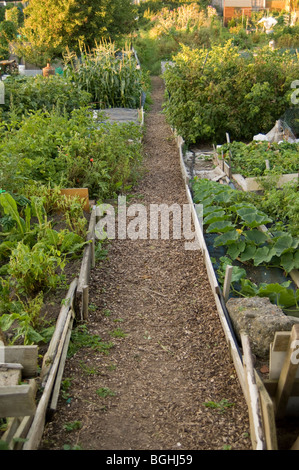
51 25
8 33
102 19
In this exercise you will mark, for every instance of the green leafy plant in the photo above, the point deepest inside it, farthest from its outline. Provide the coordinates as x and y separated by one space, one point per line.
105 392
73 426
250 159
220 406
24 320
35 269
111 76
209 92
236 223
118 333
81 338
29 94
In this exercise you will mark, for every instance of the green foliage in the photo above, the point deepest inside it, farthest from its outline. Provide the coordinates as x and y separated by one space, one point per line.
8 32
23 316
51 26
250 159
111 76
72 152
34 270
73 426
220 406
236 220
283 205
105 392
81 338
29 94
212 92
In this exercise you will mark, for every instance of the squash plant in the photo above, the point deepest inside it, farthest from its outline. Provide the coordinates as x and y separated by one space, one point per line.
236 223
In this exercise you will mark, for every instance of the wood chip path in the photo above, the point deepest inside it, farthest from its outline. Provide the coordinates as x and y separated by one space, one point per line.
152 299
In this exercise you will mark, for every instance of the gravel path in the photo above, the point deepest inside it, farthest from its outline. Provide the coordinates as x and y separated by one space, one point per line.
152 298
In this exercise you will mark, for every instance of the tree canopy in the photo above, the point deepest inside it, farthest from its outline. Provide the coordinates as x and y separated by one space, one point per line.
51 25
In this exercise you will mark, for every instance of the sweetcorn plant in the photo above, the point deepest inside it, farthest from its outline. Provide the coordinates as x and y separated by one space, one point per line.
109 75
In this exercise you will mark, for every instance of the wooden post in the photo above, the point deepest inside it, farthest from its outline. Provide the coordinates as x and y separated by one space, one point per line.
253 400
288 374
227 282
60 325
18 400
85 302
36 430
55 393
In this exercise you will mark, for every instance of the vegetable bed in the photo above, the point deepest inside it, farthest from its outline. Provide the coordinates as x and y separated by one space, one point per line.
251 159
247 236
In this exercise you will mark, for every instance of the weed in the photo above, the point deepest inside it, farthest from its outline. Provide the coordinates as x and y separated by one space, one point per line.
105 392
118 333
82 339
221 406
65 386
73 426
92 307
106 312
89 370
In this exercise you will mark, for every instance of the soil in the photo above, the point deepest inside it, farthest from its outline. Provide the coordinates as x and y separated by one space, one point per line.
169 360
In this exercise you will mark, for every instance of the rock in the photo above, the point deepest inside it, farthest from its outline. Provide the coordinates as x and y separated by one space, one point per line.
259 319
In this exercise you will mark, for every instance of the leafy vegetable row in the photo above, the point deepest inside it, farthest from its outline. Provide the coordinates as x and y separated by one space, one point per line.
250 159
236 223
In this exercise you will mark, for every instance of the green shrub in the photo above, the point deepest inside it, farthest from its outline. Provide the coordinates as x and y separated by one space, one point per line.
218 91
28 94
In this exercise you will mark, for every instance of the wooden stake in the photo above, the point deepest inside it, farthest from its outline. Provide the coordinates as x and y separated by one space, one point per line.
56 390
60 324
268 415
253 400
85 303
288 374
227 282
